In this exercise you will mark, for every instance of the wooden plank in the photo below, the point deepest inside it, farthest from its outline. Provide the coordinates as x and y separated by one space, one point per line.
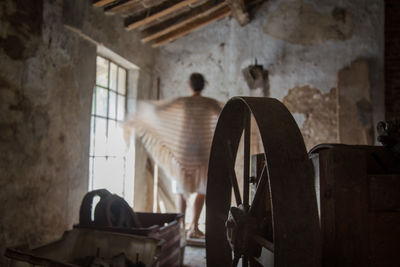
239 11
384 239
193 26
151 3
180 21
159 13
344 207
384 192
162 20
327 206
196 242
102 3
134 6
123 6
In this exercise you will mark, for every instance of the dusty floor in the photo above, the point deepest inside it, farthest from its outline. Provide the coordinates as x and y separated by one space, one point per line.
195 256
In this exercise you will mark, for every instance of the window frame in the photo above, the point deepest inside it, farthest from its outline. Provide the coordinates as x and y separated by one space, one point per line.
115 119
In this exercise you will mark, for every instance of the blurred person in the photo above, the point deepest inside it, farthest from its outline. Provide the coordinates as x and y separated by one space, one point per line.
178 133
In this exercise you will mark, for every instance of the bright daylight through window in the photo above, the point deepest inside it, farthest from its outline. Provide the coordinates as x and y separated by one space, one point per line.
108 150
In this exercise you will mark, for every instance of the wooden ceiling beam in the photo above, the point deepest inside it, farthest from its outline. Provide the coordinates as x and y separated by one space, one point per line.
239 11
122 6
160 11
182 20
223 12
151 3
164 19
102 3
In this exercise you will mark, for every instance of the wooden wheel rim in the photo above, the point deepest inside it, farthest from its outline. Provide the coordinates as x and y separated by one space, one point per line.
294 207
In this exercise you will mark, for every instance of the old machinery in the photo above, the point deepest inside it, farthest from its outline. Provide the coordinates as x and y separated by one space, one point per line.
338 206
280 225
358 192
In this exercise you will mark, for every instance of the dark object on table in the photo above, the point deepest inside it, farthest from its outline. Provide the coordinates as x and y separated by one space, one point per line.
389 135
113 214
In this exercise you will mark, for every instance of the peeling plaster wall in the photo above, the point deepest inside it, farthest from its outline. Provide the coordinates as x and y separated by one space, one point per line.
302 43
315 113
355 124
47 75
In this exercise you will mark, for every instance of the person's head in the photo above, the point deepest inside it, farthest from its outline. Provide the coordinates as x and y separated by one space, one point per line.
196 82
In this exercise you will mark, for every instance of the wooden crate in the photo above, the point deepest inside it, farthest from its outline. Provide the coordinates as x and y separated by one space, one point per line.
358 196
80 247
163 226
358 190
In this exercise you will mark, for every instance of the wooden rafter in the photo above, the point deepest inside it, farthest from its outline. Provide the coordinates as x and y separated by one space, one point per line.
239 11
151 3
122 6
182 20
102 3
219 14
158 13
162 21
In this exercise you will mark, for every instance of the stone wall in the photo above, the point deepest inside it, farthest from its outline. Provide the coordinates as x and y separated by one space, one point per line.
302 43
47 74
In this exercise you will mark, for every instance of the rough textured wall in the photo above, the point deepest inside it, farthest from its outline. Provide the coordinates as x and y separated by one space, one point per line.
47 74
315 113
42 141
354 104
313 26
302 43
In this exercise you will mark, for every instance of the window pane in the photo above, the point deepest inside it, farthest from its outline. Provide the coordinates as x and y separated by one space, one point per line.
94 102
121 108
115 142
121 81
120 144
92 133
90 173
109 174
111 138
112 104
99 172
113 76
118 166
101 101
102 71
100 137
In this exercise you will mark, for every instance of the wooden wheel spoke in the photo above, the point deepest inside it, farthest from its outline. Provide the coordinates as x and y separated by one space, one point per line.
235 261
260 191
232 175
246 165
254 263
264 242
235 188
245 261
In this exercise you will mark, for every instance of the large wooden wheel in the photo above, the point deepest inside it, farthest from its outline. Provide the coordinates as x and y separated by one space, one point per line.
280 226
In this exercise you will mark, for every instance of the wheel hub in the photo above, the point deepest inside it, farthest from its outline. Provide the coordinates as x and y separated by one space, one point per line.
240 227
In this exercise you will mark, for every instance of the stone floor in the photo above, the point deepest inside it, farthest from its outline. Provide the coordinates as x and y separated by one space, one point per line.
194 256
